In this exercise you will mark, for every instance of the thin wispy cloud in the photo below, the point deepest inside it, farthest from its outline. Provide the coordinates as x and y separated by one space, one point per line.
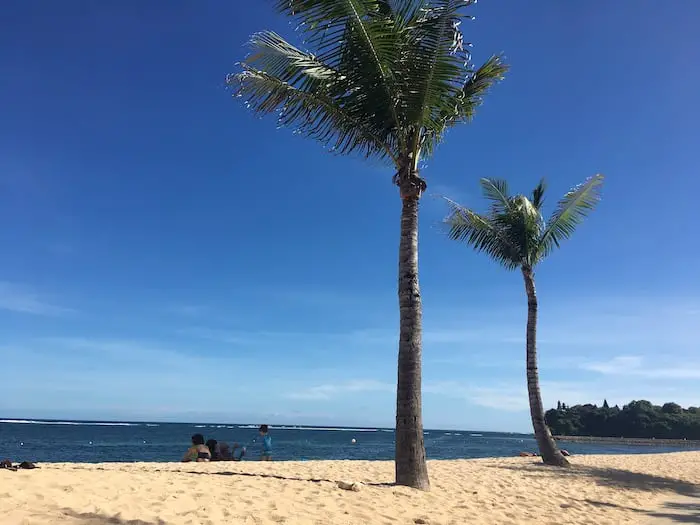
264 337
22 299
636 366
364 336
506 396
479 360
474 360
329 391
307 295
187 310
113 368
126 352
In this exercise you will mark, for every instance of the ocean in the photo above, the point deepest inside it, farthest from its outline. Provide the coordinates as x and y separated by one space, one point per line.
97 442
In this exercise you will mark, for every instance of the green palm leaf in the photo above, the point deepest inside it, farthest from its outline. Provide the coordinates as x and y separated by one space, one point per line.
570 212
478 85
459 106
312 113
355 38
522 224
277 57
433 71
514 232
483 234
387 65
496 190
538 194
404 12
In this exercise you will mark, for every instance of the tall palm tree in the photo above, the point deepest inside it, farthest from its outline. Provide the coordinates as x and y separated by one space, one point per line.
386 79
515 234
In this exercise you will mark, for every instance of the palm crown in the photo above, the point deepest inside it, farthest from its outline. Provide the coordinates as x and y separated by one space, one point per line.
514 232
386 78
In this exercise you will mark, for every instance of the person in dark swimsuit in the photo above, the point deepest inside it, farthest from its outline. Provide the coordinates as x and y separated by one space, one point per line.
214 449
221 451
198 452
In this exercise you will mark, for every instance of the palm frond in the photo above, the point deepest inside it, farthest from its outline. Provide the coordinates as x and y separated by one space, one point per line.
432 69
478 85
570 212
522 224
462 105
538 194
356 38
404 12
482 233
324 20
496 190
312 113
388 67
278 58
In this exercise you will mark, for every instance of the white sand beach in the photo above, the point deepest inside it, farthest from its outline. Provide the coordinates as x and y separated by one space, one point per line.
598 490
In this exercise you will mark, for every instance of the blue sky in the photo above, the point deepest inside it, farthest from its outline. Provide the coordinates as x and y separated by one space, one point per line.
169 256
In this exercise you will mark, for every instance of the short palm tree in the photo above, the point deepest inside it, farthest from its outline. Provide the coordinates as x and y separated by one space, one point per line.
515 234
385 79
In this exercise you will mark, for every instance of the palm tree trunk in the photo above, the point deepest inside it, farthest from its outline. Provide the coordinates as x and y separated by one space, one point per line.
548 448
411 468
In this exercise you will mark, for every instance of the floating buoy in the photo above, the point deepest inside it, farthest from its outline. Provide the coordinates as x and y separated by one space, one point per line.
91 442
21 444
354 440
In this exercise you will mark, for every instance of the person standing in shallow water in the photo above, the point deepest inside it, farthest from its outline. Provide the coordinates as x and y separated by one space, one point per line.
266 454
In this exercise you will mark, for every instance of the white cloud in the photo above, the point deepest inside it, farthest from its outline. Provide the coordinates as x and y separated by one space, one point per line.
508 396
618 365
361 336
135 353
16 298
634 366
262 337
505 396
329 391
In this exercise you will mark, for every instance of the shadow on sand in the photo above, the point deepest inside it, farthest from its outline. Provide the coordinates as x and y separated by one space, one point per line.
615 478
93 518
686 510
276 476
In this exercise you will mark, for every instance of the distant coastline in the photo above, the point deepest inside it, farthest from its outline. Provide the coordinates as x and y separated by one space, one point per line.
630 441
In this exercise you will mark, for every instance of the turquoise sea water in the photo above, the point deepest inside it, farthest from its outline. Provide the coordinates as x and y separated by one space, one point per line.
92 442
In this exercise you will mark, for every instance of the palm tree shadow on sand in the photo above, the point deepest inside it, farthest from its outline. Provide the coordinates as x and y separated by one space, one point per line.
94 518
678 512
277 476
615 478
686 510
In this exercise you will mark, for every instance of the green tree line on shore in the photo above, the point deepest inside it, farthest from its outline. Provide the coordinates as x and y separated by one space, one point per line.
638 419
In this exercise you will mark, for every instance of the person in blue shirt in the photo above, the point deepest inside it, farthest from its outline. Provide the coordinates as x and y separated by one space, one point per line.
266 454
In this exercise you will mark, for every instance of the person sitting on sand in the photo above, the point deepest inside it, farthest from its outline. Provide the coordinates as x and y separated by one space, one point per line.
214 449
226 452
198 452
221 451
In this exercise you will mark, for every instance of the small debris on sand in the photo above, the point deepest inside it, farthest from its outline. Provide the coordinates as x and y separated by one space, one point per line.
355 487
